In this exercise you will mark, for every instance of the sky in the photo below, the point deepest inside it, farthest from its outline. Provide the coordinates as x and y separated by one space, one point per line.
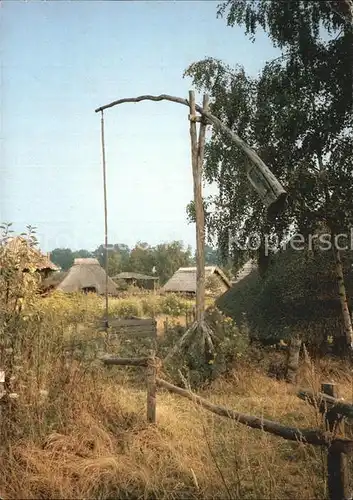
61 60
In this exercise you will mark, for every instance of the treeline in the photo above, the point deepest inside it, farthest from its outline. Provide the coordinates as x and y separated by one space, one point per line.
161 260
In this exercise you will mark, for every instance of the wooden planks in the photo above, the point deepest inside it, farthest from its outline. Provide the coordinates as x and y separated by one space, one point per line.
135 327
119 323
125 361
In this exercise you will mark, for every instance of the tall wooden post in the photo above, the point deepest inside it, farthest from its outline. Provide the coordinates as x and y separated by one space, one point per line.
105 220
151 388
197 154
337 475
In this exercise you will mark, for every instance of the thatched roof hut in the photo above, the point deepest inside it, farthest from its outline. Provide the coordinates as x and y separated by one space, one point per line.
297 294
29 256
137 279
244 271
87 275
184 281
52 281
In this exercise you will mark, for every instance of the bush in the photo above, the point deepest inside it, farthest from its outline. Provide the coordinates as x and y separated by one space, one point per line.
126 307
230 342
151 305
174 305
71 308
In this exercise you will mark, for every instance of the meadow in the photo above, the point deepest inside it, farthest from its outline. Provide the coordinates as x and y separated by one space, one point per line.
77 429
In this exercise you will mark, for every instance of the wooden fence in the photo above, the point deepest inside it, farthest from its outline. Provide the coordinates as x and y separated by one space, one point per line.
333 410
132 326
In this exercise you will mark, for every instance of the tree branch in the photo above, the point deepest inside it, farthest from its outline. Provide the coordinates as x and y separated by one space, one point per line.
343 8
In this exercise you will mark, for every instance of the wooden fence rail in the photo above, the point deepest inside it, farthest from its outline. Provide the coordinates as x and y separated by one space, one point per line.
338 446
307 436
325 402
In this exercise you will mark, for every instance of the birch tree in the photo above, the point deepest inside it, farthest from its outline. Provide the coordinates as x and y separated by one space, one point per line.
297 114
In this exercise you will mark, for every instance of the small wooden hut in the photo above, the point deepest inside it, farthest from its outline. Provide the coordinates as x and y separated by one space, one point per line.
87 275
183 281
137 279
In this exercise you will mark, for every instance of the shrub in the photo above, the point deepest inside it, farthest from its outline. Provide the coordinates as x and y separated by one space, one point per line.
125 307
151 305
230 342
174 305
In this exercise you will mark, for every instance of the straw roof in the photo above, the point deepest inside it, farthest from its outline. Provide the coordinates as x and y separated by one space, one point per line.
29 256
87 273
184 279
244 271
54 279
135 276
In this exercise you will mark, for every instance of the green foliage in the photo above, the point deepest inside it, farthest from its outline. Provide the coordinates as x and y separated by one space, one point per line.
151 305
212 256
114 263
126 307
118 257
297 115
62 257
18 280
174 305
142 259
230 342
232 339
169 257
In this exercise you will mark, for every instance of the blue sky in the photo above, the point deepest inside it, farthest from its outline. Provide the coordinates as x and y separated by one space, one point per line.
59 62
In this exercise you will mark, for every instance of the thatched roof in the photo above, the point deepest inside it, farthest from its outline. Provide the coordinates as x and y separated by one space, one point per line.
87 273
297 293
184 279
244 271
135 276
29 256
54 279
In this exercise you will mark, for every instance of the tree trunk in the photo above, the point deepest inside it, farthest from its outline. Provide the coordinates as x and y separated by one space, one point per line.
197 164
347 322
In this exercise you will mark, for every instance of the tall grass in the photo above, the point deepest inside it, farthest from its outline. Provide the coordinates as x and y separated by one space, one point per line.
86 437
78 430
79 307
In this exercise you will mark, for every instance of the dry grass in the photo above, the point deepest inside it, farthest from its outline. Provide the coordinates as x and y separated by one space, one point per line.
78 430
89 439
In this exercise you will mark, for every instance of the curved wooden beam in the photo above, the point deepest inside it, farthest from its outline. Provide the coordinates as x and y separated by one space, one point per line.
263 175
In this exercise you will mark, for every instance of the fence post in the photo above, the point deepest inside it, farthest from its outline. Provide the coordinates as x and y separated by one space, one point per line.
151 388
293 354
337 473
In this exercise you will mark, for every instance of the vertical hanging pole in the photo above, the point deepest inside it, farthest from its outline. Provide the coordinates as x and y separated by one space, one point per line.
105 219
151 388
200 216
